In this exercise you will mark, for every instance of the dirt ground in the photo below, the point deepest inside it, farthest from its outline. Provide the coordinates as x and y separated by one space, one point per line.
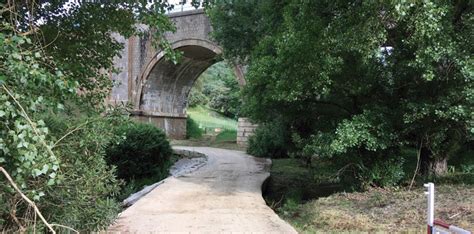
222 196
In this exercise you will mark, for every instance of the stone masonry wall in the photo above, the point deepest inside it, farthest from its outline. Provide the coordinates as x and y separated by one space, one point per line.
245 129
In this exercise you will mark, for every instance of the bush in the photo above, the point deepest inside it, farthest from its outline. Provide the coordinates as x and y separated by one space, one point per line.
192 129
269 140
84 197
371 170
383 173
144 152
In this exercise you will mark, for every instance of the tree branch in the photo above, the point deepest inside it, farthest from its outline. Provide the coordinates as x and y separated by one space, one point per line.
27 199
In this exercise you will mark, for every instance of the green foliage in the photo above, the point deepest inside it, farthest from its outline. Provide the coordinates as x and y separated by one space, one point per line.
218 89
76 38
143 152
84 186
382 173
357 80
233 20
461 177
223 90
56 57
289 209
192 129
84 200
270 140
26 88
196 97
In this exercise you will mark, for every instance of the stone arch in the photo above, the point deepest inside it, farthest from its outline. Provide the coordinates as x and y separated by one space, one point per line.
158 89
164 86
160 57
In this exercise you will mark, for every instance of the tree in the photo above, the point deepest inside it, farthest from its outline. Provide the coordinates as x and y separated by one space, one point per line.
359 79
55 57
218 89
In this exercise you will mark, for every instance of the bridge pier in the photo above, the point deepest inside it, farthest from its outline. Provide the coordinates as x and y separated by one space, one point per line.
173 125
245 129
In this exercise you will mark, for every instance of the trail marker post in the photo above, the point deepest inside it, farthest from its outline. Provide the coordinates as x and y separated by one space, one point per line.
438 226
430 195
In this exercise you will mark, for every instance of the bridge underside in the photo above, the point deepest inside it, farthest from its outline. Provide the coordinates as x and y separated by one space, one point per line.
165 92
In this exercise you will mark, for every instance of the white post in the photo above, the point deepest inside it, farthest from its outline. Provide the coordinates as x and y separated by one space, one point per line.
430 194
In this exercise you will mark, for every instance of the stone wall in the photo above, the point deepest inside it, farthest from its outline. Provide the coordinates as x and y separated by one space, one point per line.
174 127
245 129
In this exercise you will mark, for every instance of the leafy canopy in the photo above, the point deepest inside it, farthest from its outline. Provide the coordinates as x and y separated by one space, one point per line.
56 57
357 78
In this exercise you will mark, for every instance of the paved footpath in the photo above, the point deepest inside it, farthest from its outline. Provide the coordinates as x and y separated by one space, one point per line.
222 196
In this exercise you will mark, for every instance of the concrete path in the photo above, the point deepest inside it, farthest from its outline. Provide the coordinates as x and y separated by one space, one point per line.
222 196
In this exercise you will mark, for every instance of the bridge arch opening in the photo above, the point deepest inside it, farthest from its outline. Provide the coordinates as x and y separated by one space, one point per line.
158 89
165 86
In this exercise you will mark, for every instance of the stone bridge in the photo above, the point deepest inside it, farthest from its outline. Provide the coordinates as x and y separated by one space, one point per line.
157 88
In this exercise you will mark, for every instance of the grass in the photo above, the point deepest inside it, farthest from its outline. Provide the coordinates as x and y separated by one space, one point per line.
210 120
226 136
313 203
208 128
378 210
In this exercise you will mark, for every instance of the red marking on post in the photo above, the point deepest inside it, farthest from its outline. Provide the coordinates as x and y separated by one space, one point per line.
441 223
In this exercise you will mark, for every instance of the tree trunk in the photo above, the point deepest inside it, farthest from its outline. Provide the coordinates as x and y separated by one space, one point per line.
432 165
439 166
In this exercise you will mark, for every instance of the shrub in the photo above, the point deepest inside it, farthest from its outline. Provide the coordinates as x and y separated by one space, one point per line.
370 171
383 173
192 129
84 197
143 152
269 140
